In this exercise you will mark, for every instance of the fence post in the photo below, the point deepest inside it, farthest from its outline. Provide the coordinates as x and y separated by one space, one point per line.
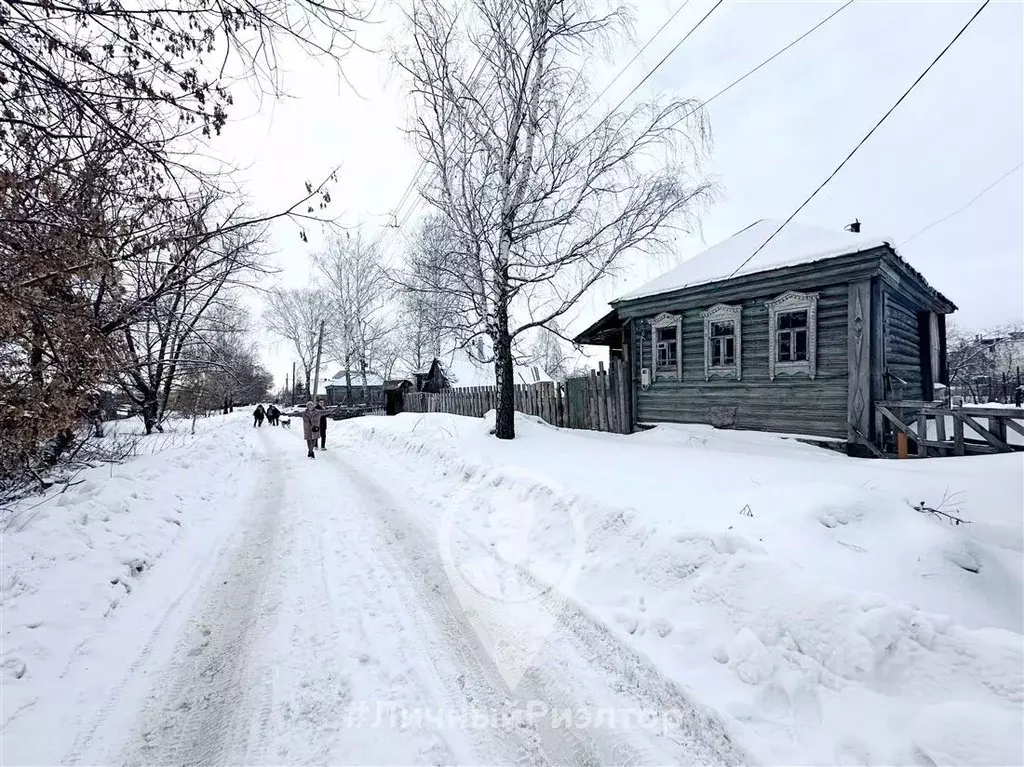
922 435
593 409
998 428
602 402
958 435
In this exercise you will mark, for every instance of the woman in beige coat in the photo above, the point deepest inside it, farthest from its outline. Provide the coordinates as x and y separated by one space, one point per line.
311 427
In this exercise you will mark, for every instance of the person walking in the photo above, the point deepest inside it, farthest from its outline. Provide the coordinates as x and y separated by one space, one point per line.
310 428
273 414
323 423
258 415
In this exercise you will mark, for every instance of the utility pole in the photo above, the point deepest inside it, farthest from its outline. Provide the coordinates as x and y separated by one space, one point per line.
293 383
316 373
286 381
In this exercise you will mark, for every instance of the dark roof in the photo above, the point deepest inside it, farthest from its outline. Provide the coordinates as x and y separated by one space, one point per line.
602 332
396 383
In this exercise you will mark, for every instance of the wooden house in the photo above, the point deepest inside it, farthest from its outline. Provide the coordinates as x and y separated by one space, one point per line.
463 369
802 338
335 389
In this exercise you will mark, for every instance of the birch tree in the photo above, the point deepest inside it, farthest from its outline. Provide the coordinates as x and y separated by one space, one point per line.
295 316
541 197
357 289
429 316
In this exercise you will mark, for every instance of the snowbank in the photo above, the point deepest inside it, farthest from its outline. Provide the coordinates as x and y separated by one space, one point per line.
72 560
794 591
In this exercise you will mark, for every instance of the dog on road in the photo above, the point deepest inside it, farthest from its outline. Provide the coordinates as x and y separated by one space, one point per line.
285 422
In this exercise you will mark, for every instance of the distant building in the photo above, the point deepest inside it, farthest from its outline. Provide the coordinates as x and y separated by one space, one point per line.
335 389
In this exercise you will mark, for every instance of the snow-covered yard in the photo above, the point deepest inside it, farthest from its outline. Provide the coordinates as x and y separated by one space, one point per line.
226 599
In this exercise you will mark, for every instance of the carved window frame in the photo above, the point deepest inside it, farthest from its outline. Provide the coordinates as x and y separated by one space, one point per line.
724 313
793 301
666 320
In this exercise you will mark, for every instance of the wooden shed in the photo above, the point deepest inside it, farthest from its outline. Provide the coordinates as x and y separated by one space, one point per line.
394 392
803 338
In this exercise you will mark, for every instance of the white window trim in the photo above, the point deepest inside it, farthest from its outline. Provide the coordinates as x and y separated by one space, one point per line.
666 320
792 301
720 313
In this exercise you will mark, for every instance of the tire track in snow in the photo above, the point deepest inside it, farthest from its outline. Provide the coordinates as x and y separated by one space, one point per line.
577 646
194 713
97 719
463 663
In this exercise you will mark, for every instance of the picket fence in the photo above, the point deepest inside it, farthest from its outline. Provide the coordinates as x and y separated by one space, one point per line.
599 401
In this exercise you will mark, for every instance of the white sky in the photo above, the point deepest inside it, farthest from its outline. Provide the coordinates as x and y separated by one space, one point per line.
777 136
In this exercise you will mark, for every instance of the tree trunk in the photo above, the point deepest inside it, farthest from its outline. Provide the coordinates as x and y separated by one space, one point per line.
150 408
362 372
504 425
348 381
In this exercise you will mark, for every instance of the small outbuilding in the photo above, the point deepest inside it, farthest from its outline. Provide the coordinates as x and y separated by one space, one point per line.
394 391
801 336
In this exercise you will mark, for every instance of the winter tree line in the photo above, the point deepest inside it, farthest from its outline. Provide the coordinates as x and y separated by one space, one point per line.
534 192
986 366
379 320
126 256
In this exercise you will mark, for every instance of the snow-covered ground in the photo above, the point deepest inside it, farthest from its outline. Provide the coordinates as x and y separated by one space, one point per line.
792 590
422 593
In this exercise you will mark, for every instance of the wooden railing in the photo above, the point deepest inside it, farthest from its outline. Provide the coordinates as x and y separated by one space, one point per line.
599 400
938 429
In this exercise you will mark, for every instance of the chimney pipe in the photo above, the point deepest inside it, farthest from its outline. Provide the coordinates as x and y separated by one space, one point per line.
854 227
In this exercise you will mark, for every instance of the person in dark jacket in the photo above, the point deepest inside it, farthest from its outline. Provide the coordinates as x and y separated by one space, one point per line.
310 428
273 414
323 423
258 415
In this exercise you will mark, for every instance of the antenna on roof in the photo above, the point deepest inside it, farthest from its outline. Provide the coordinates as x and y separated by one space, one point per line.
854 227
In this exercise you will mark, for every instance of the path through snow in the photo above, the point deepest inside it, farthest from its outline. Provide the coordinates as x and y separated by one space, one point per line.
325 630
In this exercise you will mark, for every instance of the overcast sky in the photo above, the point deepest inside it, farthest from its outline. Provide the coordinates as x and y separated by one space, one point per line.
776 136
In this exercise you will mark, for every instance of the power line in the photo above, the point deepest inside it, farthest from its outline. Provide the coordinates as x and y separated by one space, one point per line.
419 172
973 200
666 57
866 137
771 58
639 53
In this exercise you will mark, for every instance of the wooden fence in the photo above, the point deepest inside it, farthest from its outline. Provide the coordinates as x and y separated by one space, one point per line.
937 429
599 401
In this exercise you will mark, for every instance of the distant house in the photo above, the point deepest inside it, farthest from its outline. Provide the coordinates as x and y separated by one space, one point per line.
335 389
462 369
805 337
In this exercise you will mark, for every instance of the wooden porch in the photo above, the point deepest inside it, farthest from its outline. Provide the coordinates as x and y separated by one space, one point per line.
912 428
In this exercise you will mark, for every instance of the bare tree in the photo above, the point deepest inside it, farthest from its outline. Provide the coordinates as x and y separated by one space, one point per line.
539 199
295 317
357 289
550 352
427 314
106 223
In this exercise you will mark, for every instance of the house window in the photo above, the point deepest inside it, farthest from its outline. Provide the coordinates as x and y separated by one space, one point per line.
722 341
723 344
792 334
667 346
667 336
792 337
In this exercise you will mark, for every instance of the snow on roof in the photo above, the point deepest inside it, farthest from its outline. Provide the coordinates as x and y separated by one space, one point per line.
372 379
795 244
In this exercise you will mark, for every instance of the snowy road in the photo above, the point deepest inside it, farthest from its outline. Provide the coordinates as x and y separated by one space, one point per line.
324 629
